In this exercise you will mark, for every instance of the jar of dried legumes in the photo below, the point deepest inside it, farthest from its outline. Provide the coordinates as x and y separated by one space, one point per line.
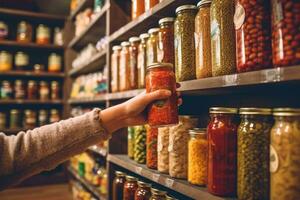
133 53
152 46
118 185
143 192
285 154
162 112
151 158
222 151
162 150
202 40
184 29
253 153
115 66
130 142
142 60
140 144
137 8
253 35
222 33
285 32
166 40
130 188
124 72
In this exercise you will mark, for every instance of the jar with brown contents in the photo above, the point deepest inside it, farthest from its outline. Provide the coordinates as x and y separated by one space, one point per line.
118 185
32 90
54 116
143 192
158 194
55 91
152 46
44 90
19 89
115 66
142 60
133 53
24 32
130 188
124 72
29 121
166 40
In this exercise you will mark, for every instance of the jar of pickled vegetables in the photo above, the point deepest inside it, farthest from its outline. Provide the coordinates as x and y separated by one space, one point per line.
24 32
152 46
222 33
42 34
130 188
222 151
285 154
19 89
162 150
6 90
54 63
285 33
197 157
54 116
140 144
142 60
15 119
202 40
21 61
133 53
32 90
151 158
55 91
143 192
166 40
29 121
5 61
150 4
253 153
3 30
184 29
44 90
124 72
115 64
137 8
131 142
158 194
43 117
118 185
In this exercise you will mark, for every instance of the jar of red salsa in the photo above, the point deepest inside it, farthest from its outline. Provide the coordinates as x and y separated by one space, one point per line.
162 112
222 151
118 185
151 147
166 50
143 192
130 188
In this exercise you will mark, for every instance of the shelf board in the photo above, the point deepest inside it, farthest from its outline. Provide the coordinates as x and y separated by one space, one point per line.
178 185
124 95
98 150
82 5
87 185
19 73
92 100
28 102
96 63
30 45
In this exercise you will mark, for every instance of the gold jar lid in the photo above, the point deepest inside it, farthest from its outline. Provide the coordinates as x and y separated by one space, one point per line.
255 111
143 184
203 2
131 178
156 65
158 192
286 111
185 7
125 44
119 173
144 36
166 20
223 110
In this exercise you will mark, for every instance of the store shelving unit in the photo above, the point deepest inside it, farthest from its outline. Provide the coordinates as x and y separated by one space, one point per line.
94 100
30 45
29 101
29 74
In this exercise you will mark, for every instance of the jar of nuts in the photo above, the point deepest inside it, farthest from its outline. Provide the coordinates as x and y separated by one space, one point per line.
162 150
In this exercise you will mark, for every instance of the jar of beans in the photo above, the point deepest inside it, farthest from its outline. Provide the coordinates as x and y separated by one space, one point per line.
285 32
29 121
137 8
166 40
55 91
115 66
142 60
32 90
152 46
133 53
124 72
184 29
19 89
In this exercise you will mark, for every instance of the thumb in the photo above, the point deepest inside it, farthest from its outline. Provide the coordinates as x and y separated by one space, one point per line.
158 94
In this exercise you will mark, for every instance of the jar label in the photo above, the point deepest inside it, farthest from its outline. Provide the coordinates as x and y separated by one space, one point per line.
160 103
277 11
239 16
274 160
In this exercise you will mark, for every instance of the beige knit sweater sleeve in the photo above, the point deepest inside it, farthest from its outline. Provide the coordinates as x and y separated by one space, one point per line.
43 148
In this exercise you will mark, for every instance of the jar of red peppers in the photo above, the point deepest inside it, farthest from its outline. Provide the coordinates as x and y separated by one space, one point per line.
253 35
285 32
142 60
222 151
166 40
162 112
151 148
130 188
32 90
118 185
137 8
143 192
133 53
124 72
115 64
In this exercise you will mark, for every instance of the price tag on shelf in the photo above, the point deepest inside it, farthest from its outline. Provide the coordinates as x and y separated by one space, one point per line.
230 80
272 75
138 170
155 177
169 182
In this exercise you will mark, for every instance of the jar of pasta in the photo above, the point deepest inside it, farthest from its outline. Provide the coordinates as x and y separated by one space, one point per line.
285 154
133 53
143 192
166 40
24 32
150 4
158 194
44 90
131 142
152 46
115 67
15 119
32 90
54 63
21 61
142 60
124 72
54 116
29 121
42 34
5 61
130 188
118 185
137 8
3 120
55 91
140 144
162 150
19 89
151 158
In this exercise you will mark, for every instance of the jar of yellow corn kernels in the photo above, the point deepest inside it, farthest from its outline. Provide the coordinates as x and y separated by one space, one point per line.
197 156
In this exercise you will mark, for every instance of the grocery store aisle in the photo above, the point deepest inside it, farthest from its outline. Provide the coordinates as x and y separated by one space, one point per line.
57 192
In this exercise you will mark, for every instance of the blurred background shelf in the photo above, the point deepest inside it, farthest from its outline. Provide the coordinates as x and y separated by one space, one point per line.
32 74
30 45
28 101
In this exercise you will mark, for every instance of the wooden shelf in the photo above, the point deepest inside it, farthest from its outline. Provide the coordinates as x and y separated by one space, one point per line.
180 186
99 99
96 63
28 102
32 74
124 95
31 45
83 5
98 150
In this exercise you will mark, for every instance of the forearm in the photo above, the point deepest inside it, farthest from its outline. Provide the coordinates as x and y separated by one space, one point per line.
114 118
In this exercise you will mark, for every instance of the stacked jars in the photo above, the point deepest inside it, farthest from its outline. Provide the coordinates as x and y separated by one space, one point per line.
166 40
124 72
142 60
152 46
133 60
115 67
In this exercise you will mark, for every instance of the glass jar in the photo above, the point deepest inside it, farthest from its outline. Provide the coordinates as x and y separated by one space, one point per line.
152 46
178 146
24 32
42 34
124 72
3 30
133 53
6 90
143 192
150 4
55 91
158 194
166 40
15 119
5 61
197 157
222 151
58 36
253 153
19 89
32 90
285 154
21 61
130 188
253 35
131 142
118 185
137 8
29 121
140 144
170 198
184 29
142 60
202 40
285 33
162 112
222 33
3 120
54 63
151 141
44 90
43 117
162 150
54 116
39 68
115 67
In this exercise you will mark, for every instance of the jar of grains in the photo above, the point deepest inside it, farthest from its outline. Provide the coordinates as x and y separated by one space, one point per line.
118 185
142 60
131 142
285 32
197 157
29 121
42 34
158 194
253 35
143 192
184 29
24 32
43 117
54 63
130 188
178 146
285 154
115 64
166 40
32 90
253 153
5 61
152 46
222 33
151 158
150 4
21 61
15 119
55 91
6 90
133 52
3 120
124 72
202 40
44 90
162 150
19 89
54 116
140 144
222 151
137 8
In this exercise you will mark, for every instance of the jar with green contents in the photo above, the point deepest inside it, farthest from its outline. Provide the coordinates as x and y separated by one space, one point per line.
152 46
184 29
253 153
142 60
130 140
140 144
15 119
3 120
222 32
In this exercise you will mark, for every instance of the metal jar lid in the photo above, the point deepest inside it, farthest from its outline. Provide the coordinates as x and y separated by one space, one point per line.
134 39
117 47
143 184
286 112
255 111
131 178
153 30
197 131
186 7
125 44
166 19
119 173
203 2
156 65
223 110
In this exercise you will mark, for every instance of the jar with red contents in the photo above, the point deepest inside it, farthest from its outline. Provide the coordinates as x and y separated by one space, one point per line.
253 35
166 50
137 8
151 148
162 112
285 32
124 72
118 185
133 53
130 188
143 192
222 151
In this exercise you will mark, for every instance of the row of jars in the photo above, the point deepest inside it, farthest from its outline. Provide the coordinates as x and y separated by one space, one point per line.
28 118
22 62
32 89
138 7
25 33
127 187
